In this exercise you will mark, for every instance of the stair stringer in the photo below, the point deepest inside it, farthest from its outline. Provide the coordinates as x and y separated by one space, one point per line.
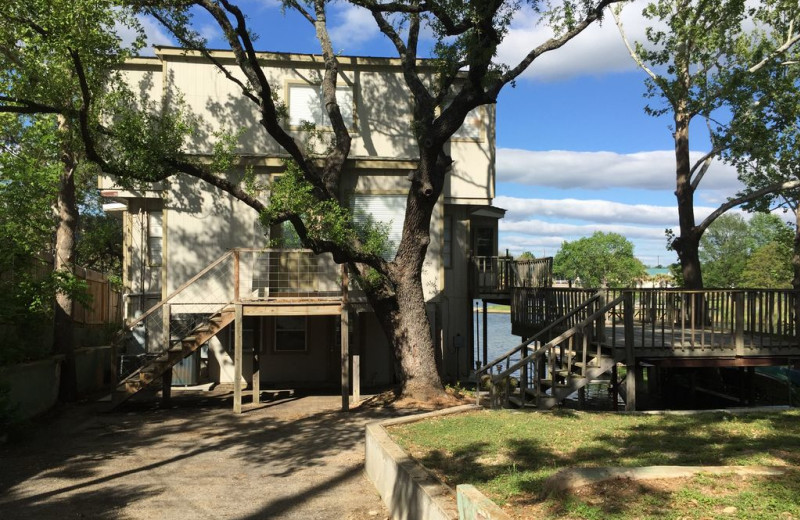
159 365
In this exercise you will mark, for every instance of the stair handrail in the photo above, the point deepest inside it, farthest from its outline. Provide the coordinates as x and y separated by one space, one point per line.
560 338
539 334
176 292
503 377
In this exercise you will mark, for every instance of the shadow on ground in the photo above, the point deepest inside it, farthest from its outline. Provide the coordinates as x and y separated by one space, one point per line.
289 457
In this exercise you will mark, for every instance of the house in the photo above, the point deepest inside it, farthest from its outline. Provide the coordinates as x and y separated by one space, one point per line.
295 330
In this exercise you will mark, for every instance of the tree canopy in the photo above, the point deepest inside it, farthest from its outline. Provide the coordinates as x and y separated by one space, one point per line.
602 260
697 57
739 253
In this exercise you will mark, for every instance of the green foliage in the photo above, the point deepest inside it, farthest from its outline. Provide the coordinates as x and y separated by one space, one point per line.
602 260
526 255
738 253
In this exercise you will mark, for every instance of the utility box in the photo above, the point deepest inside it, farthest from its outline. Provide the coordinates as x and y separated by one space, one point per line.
187 371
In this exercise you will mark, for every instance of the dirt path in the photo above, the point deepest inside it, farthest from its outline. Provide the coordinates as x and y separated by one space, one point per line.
290 458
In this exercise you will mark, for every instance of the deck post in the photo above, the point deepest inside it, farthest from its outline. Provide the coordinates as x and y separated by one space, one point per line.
485 334
345 343
236 275
166 387
237 359
523 380
356 359
738 338
256 372
630 353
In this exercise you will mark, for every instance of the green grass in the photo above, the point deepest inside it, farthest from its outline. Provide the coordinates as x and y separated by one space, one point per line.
509 456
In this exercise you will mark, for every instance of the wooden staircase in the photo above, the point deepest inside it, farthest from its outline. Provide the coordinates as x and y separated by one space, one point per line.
547 394
177 350
556 368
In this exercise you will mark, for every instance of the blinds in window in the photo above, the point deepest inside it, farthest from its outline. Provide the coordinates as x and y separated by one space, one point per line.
387 209
305 104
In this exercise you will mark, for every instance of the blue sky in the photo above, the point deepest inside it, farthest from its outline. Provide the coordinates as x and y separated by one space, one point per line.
576 152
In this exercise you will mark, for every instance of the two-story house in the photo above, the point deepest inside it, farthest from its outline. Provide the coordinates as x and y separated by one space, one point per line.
293 329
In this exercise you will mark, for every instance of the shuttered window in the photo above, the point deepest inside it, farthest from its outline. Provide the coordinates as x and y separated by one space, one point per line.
155 237
387 209
305 104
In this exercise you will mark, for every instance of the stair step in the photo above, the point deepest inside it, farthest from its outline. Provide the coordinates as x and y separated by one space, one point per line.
189 339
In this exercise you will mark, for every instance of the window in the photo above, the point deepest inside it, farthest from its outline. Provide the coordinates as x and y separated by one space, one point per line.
290 334
155 238
484 242
389 210
306 105
472 128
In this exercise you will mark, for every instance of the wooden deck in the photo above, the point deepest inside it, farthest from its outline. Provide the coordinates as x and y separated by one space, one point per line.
755 324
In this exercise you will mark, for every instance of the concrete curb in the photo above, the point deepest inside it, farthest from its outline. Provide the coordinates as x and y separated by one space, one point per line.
577 477
408 490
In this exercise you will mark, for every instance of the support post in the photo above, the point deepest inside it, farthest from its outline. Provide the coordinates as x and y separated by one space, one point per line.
256 373
345 341
166 387
523 380
236 275
738 339
630 353
356 359
237 359
485 334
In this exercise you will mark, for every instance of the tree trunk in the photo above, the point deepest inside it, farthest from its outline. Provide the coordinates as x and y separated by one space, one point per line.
63 339
796 252
687 245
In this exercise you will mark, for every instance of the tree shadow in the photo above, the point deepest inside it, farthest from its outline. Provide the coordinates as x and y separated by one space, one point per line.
274 459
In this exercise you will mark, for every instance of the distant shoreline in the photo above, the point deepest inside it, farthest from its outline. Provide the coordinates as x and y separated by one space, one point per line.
495 310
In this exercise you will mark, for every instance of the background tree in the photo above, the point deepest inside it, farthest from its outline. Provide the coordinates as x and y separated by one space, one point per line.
695 58
602 260
468 35
526 255
739 253
58 63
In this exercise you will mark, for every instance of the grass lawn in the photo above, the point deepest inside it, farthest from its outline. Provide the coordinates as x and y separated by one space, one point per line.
508 456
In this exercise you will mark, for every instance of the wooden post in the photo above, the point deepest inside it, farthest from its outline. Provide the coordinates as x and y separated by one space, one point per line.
166 387
237 359
523 380
485 334
345 341
738 326
356 359
257 371
614 388
630 353
236 275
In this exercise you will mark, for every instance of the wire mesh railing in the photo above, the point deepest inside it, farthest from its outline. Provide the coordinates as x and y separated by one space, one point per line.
238 275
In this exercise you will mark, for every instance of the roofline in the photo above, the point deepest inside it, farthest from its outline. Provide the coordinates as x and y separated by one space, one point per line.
165 52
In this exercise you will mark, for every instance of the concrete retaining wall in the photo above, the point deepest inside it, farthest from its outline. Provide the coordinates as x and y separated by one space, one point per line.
407 489
33 387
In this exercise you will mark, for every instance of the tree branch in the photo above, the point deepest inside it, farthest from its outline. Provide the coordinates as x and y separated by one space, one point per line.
788 185
551 45
791 40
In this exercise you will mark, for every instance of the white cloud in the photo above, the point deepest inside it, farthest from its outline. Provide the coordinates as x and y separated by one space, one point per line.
599 49
154 34
588 210
555 229
654 170
351 26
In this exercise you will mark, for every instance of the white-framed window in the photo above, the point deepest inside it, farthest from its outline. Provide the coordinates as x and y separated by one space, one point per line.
290 334
306 105
385 209
473 127
155 238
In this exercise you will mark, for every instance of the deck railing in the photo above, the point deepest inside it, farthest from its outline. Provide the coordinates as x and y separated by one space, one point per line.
741 321
499 274
239 275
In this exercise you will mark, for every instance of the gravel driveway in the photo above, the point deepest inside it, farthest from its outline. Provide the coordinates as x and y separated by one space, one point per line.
288 458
